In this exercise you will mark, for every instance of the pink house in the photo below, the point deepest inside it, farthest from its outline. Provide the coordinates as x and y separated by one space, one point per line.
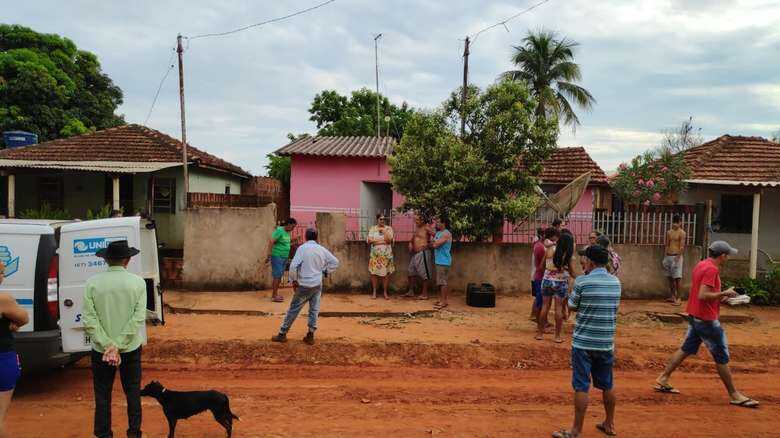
351 175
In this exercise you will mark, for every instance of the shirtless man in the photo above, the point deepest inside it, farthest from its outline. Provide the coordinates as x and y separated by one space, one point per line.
420 264
673 260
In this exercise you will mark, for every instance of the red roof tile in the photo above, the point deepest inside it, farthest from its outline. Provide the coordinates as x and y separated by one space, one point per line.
735 158
127 143
326 146
565 164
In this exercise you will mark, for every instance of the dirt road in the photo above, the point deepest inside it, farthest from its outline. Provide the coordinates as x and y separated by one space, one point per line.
455 374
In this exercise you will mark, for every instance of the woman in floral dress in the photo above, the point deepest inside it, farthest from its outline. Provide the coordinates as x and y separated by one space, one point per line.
380 261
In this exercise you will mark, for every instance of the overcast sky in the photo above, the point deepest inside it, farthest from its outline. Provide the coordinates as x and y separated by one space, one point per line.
650 64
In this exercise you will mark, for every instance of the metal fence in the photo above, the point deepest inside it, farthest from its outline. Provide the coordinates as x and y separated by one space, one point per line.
644 228
637 228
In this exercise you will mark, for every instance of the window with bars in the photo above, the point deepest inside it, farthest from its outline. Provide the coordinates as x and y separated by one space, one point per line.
736 213
164 196
50 191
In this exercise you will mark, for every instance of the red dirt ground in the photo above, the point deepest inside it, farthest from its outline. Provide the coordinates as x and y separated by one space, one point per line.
460 373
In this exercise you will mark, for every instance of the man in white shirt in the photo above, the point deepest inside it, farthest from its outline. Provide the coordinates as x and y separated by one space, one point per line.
306 269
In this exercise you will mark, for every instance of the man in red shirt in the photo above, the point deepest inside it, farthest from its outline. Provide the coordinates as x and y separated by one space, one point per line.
703 325
537 259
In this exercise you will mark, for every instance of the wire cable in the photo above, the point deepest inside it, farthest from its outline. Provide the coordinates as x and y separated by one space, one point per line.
505 21
273 20
159 87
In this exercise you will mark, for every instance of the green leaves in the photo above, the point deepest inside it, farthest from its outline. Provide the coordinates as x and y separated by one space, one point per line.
487 177
650 178
51 88
546 63
278 167
338 115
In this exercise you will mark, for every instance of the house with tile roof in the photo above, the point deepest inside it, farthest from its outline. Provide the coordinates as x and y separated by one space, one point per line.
351 175
738 180
129 167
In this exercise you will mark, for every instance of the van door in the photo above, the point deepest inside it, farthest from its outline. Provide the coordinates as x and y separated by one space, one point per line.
78 262
150 271
19 245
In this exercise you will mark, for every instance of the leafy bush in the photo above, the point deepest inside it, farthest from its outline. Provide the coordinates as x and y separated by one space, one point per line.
763 291
103 213
45 212
650 177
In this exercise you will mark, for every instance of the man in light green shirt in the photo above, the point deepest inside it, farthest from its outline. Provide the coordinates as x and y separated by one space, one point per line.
113 314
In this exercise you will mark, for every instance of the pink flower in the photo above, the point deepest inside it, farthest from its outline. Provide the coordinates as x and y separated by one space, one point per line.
641 182
656 197
650 183
647 203
664 168
623 166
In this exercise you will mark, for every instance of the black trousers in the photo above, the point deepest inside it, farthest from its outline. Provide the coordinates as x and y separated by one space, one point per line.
103 381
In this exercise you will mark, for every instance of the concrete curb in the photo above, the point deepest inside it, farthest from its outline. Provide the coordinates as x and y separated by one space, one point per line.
358 314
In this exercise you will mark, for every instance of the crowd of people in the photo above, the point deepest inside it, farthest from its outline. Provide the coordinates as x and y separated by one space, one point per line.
114 309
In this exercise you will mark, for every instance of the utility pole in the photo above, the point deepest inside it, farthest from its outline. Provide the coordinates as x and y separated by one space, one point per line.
376 65
465 89
180 51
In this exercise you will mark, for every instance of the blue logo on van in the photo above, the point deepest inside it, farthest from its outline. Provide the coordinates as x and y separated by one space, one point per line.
88 247
11 263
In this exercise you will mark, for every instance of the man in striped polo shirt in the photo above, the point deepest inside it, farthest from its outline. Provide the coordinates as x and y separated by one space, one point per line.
595 297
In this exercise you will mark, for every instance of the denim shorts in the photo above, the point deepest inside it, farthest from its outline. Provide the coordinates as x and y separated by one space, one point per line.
10 370
536 290
277 266
591 363
555 288
713 336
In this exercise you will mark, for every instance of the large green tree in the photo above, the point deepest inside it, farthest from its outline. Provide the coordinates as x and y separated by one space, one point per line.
355 115
484 178
546 63
51 88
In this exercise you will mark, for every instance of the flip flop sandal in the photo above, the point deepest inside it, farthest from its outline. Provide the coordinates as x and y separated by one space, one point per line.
277 299
562 434
666 389
604 430
539 337
747 403
441 306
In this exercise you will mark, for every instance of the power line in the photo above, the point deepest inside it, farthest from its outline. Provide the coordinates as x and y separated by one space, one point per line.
507 20
159 87
273 20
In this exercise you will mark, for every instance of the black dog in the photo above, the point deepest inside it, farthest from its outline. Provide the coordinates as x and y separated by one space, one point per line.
179 405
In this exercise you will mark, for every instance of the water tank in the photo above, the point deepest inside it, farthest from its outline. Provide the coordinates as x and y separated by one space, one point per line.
15 139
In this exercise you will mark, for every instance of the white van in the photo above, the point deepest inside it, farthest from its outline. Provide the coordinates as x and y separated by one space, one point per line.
47 265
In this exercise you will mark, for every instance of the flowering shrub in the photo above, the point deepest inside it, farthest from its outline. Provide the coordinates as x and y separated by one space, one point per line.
649 178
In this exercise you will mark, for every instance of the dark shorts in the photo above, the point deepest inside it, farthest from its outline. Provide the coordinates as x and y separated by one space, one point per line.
713 336
10 370
555 288
536 291
587 364
277 266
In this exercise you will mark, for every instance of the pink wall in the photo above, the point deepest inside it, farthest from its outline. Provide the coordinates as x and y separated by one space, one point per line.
332 184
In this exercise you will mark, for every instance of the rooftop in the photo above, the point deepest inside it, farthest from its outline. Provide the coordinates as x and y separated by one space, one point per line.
325 146
735 160
126 148
565 164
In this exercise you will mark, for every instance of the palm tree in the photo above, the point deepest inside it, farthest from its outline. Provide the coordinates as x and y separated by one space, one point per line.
547 65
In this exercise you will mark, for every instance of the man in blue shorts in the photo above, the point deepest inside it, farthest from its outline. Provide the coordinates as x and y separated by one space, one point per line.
278 253
595 297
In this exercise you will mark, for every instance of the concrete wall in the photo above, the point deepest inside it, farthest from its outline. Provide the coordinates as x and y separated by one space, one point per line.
506 266
171 225
226 248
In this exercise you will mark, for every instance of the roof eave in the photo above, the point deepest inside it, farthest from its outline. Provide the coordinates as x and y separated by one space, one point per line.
725 182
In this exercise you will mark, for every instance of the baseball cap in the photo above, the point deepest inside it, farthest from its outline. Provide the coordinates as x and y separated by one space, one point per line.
597 253
603 241
719 247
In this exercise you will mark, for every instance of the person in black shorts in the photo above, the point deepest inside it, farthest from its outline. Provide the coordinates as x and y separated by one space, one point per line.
13 317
